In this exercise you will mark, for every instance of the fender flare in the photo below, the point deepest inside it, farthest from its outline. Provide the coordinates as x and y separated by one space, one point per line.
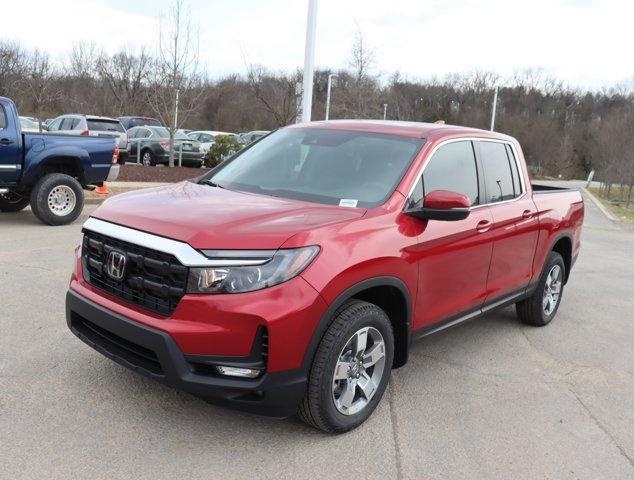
328 316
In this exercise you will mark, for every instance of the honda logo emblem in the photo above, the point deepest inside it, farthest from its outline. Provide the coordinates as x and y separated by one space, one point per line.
115 265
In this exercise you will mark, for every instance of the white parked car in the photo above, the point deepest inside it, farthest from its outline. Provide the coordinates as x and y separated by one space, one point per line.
28 124
206 137
93 126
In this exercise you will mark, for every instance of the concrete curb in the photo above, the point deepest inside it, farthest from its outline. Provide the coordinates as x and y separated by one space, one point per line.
601 207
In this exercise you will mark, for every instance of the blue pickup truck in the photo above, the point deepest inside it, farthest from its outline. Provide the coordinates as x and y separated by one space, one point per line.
50 172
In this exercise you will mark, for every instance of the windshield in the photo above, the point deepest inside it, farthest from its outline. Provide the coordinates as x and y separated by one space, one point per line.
354 169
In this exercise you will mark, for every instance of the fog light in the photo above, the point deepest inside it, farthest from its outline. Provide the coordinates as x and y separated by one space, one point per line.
238 372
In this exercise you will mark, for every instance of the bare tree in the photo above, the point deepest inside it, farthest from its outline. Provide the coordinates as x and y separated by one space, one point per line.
126 75
38 85
174 92
12 65
277 94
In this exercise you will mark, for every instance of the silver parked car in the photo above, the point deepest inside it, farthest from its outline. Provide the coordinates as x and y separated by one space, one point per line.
93 126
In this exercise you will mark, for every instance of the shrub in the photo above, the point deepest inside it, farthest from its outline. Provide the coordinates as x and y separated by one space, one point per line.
223 146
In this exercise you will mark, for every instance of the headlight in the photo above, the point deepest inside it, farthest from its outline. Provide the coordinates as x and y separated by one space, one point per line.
282 266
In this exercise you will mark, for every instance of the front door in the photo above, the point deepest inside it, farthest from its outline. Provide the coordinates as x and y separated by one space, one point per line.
9 149
454 256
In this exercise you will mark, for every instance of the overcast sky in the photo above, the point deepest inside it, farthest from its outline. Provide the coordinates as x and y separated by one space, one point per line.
586 43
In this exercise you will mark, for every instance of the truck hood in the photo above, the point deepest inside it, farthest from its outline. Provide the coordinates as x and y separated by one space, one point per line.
214 218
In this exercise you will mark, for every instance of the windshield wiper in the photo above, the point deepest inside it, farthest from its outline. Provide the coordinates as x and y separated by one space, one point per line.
211 183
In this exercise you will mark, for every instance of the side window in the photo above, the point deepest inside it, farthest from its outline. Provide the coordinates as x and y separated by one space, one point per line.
74 123
54 126
205 138
66 124
3 118
517 184
497 172
452 168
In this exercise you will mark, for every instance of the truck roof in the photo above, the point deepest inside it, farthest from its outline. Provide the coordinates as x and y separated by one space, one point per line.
400 128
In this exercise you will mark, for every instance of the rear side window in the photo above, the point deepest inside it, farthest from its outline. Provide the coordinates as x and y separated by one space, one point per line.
3 118
452 168
517 185
105 126
498 176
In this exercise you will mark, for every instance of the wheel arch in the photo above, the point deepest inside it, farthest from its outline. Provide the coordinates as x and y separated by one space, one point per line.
388 293
563 246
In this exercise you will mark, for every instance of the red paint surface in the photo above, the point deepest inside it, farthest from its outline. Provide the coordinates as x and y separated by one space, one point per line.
448 267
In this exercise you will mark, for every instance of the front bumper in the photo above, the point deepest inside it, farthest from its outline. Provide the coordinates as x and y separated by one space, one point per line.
154 353
113 174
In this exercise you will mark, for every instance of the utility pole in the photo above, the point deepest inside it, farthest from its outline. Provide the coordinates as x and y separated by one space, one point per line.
385 111
330 77
309 61
495 106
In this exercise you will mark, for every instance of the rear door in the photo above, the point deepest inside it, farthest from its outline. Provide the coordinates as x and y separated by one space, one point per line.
10 153
454 256
515 224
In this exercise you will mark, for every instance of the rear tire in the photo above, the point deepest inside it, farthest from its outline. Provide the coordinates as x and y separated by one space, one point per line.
57 199
541 307
346 382
12 202
147 158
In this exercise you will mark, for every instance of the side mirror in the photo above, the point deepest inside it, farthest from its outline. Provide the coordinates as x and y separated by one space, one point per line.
442 205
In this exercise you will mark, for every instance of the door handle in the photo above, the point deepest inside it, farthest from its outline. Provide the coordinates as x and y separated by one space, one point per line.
483 226
527 214
6 141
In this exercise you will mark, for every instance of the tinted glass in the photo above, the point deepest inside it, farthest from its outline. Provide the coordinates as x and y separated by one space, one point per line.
322 165
160 132
67 124
3 117
55 124
105 126
517 186
452 168
206 138
143 121
497 172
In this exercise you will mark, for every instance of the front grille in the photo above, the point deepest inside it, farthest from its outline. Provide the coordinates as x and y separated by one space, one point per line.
151 279
131 352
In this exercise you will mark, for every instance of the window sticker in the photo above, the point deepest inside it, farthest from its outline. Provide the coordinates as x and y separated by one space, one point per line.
348 202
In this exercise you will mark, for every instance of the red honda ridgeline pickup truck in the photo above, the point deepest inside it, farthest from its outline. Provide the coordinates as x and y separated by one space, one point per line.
294 276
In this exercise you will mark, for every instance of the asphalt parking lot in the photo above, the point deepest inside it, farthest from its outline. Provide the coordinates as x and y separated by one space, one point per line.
488 399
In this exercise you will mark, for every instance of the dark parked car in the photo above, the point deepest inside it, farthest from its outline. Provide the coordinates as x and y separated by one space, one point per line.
131 122
154 146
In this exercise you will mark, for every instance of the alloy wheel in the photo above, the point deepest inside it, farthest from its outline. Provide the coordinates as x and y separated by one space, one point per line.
358 371
552 290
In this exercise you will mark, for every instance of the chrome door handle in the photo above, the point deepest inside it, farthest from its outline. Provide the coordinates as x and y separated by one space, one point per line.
527 214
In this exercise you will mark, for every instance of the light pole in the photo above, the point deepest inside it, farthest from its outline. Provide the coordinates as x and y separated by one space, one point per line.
495 106
330 77
309 61
385 111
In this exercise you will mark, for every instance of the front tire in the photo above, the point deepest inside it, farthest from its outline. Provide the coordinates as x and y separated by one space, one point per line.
57 199
540 308
350 370
12 202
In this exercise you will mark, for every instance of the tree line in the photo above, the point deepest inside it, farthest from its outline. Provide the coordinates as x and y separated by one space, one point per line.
563 131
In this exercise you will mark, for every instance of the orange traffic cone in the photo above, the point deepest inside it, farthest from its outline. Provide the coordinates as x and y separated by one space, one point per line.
103 190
